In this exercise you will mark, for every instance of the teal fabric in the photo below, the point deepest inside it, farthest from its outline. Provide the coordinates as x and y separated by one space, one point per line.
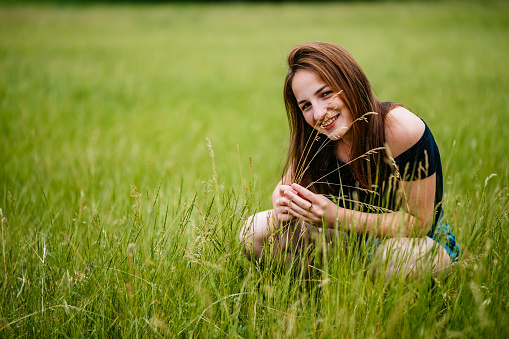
442 234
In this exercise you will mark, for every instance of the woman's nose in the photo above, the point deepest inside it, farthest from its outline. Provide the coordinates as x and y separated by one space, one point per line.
319 109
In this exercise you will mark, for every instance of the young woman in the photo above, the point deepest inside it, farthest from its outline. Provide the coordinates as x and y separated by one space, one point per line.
356 165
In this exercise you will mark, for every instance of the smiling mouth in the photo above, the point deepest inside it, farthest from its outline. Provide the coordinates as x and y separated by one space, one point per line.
329 121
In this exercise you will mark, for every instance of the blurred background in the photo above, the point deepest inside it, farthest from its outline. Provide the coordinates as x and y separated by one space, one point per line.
107 95
136 137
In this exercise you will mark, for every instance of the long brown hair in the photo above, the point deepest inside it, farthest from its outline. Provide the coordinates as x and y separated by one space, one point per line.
307 157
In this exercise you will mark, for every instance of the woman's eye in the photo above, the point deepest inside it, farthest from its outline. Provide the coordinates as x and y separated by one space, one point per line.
326 94
305 106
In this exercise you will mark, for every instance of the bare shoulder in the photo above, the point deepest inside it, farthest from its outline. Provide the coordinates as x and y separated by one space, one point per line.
402 130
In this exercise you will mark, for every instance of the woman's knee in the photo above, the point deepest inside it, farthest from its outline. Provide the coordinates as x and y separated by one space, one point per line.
253 234
410 257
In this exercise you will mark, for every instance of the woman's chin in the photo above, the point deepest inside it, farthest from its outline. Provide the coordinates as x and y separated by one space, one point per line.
334 136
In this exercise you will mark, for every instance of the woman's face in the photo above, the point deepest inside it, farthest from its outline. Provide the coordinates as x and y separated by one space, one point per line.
321 106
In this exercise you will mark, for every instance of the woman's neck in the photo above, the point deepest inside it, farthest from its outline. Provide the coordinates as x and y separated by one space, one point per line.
342 150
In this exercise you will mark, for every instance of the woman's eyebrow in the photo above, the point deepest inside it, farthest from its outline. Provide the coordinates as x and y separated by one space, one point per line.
318 91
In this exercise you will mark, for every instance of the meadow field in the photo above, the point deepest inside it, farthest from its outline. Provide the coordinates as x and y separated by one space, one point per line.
136 139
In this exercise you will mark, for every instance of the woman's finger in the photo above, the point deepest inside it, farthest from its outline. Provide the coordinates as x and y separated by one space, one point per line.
298 210
283 202
284 188
295 214
301 202
304 192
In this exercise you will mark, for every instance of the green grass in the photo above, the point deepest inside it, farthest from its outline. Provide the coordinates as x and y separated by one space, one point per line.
115 222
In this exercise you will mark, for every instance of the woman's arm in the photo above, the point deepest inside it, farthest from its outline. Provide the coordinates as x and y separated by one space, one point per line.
414 220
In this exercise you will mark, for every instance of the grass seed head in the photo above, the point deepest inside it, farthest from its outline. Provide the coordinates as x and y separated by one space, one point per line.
130 252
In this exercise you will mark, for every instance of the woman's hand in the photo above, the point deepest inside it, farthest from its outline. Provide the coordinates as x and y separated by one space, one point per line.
303 204
279 204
